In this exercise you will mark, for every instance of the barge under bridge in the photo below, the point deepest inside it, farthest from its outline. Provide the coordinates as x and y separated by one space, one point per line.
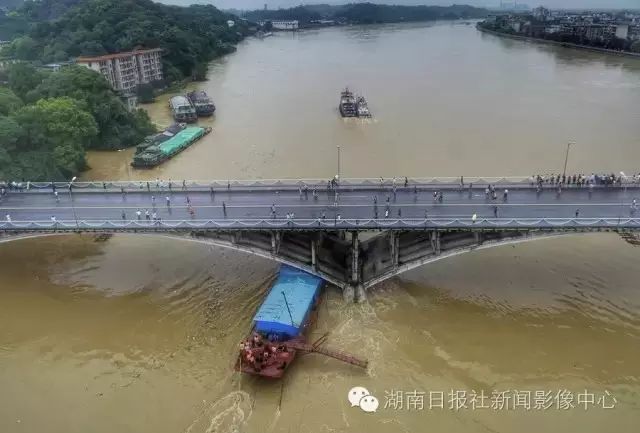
354 235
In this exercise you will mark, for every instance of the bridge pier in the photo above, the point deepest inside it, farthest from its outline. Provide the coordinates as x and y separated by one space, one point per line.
348 293
360 294
355 263
435 242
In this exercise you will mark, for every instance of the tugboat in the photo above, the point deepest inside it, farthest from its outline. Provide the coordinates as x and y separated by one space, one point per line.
363 108
201 101
280 325
348 104
182 109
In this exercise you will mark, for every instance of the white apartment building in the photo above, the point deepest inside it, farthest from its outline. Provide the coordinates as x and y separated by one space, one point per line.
125 71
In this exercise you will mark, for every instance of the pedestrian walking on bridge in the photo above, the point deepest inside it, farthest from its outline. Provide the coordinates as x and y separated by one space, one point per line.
57 196
505 196
474 217
138 214
8 218
577 213
224 209
495 211
124 216
147 216
168 201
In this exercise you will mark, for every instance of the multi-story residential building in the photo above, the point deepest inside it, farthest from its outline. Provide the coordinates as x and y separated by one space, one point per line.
125 71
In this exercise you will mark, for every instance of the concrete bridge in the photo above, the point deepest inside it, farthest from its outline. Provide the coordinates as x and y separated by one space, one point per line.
354 235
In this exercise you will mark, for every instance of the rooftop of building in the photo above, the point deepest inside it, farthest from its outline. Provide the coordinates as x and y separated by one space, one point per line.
84 59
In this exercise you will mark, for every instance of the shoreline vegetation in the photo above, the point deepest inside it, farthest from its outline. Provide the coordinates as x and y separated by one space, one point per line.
50 117
324 15
494 32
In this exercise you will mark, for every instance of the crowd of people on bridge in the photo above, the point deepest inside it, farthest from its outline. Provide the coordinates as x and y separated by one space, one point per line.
557 181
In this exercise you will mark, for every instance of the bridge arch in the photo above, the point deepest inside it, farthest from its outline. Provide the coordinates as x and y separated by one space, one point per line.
332 278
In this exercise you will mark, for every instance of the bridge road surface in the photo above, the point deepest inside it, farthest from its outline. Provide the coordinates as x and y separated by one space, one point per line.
353 203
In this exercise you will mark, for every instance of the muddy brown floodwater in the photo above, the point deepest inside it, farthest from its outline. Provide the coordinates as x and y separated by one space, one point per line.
137 334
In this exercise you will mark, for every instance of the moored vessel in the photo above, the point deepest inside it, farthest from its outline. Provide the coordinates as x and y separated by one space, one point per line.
202 102
182 109
156 154
160 137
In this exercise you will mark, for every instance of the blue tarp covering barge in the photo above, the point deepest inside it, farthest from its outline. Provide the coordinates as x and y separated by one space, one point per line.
301 291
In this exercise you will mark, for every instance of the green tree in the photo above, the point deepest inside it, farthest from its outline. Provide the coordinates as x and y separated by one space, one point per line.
9 102
53 135
22 78
117 127
9 133
145 93
635 47
200 72
25 48
188 35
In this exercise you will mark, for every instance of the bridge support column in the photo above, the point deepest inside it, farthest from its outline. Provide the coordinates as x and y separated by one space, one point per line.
348 293
478 237
354 293
275 242
355 260
394 247
435 242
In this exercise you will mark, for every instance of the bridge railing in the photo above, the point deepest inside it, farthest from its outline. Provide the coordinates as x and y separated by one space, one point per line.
323 224
257 184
